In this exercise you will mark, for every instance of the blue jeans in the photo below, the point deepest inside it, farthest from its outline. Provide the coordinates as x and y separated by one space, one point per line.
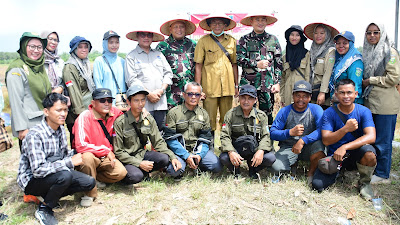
385 126
210 162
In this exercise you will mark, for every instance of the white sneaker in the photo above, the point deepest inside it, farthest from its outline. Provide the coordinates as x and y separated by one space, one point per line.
86 201
100 185
379 180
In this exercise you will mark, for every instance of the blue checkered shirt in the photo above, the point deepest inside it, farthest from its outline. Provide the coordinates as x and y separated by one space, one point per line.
44 151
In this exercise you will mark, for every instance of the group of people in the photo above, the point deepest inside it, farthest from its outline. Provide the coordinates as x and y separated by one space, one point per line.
129 117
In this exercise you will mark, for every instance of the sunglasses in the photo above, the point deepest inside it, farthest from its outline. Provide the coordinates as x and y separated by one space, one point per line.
191 94
104 100
372 32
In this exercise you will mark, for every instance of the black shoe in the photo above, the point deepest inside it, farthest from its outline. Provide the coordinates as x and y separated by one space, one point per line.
3 216
45 215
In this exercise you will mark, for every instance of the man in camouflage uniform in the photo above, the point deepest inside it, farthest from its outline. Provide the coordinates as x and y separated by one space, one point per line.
179 52
259 55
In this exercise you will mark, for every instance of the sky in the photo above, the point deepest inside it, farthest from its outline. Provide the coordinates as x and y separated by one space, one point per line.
91 19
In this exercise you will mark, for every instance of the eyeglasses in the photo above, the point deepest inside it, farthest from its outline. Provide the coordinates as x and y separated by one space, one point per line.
33 47
217 24
55 40
104 100
143 35
191 94
369 33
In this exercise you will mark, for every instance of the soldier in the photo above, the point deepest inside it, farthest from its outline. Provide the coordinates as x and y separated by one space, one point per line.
245 136
179 52
216 68
259 55
188 132
132 130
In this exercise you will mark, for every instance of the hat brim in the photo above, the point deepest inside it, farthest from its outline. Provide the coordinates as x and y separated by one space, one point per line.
309 30
139 92
77 43
341 35
203 23
254 96
190 27
100 97
156 36
113 35
247 20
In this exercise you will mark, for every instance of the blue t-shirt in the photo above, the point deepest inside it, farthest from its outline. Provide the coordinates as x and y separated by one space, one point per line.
332 122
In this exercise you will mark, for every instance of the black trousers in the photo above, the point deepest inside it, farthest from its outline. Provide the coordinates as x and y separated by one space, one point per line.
57 185
135 174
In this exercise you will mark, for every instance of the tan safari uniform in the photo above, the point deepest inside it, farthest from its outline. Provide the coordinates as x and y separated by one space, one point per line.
384 98
290 77
323 71
236 125
127 146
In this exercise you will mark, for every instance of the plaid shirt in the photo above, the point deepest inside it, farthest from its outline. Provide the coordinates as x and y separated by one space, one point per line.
44 151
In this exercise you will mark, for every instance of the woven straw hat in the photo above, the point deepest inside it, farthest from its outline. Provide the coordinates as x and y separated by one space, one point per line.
156 36
309 30
203 23
190 27
246 20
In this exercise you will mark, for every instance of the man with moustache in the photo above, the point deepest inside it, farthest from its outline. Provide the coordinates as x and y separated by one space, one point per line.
179 52
246 120
297 128
188 132
46 167
93 138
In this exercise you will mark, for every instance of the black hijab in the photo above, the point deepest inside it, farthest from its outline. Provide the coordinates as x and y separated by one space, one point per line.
295 53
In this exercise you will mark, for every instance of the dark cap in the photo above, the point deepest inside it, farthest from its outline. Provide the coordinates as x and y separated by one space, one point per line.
302 85
73 44
248 90
109 34
99 93
328 165
346 34
295 28
136 89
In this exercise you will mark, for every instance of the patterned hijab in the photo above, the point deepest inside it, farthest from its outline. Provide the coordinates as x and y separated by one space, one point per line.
50 59
317 50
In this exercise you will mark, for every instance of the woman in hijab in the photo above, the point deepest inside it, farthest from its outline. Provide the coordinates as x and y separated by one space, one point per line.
53 64
296 63
348 64
78 79
322 59
381 75
108 69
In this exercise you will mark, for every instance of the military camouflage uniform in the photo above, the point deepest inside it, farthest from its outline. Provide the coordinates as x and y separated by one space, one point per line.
252 48
179 55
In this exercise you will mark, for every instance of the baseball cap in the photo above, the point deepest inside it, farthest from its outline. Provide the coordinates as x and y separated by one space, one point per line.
346 34
248 90
99 93
136 89
328 165
302 85
109 34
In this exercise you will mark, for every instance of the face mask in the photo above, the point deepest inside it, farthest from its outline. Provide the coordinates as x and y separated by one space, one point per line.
217 35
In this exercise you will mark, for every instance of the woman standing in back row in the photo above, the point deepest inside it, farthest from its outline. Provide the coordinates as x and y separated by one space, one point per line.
381 75
322 54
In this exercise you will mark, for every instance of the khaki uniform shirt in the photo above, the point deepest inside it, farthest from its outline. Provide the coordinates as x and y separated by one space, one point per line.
77 89
127 146
217 77
236 125
188 123
289 78
323 71
384 97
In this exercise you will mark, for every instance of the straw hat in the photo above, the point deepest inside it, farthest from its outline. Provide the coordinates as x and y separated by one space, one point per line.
309 30
156 36
246 21
190 26
203 23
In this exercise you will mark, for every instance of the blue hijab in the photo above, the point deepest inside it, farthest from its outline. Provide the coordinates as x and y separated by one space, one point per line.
343 62
111 57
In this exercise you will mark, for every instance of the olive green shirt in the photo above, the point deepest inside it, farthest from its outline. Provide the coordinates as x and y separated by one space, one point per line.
188 123
127 146
236 125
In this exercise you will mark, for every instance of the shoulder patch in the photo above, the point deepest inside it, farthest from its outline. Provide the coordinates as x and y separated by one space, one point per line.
69 83
146 122
358 71
331 59
201 117
15 73
392 60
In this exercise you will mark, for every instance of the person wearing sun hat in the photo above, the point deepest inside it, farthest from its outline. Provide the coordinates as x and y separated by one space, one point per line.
149 68
217 71
348 64
259 55
322 59
179 52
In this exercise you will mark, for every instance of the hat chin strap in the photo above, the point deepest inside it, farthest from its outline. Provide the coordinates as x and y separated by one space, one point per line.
217 35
